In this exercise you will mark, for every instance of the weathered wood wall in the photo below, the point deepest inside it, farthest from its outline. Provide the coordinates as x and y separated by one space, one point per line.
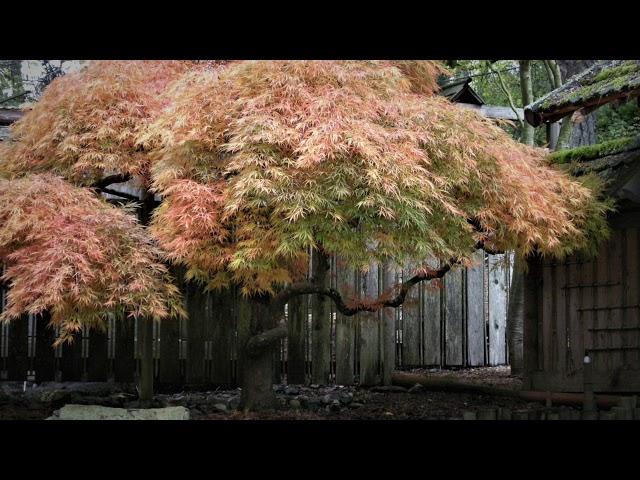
588 305
458 321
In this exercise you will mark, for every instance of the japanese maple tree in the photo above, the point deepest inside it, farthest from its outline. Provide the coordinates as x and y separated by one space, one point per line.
259 163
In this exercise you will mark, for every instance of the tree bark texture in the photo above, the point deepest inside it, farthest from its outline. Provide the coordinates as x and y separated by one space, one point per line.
583 133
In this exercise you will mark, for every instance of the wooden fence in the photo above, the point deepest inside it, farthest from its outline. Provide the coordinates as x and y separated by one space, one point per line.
456 322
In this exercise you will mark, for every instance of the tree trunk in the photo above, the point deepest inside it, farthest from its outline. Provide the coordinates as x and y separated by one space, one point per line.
257 368
583 133
515 318
257 381
527 98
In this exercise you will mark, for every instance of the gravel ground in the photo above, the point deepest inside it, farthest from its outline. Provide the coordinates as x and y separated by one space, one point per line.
294 402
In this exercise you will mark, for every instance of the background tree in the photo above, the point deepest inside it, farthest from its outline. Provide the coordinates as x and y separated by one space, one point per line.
259 163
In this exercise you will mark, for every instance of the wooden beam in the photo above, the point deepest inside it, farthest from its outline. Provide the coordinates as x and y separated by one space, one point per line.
10 115
494 111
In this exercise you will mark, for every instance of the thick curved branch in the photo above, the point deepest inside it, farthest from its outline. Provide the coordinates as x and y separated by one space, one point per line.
262 341
110 180
384 300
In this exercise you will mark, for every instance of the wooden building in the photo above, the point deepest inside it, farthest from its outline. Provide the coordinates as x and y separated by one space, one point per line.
459 91
588 309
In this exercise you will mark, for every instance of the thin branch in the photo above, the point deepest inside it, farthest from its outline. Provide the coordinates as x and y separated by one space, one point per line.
384 300
503 87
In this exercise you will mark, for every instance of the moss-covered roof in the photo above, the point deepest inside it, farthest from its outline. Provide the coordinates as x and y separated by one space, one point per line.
602 83
615 162
459 90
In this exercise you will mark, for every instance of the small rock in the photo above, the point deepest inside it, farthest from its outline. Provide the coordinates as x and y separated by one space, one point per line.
469 416
417 388
314 386
335 406
295 404
327 399
389 389
234 403
292 391
346 398
94 412
356 405
220 407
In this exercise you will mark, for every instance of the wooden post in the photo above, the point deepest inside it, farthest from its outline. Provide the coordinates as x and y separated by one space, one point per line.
321 324
297 311
45 361
98 356
124 362
589 401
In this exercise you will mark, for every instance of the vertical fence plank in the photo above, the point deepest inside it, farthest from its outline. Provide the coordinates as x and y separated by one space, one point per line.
476 341
124 362
197 302
321 322
243 332
18 361
71 361
412 323
369 331
615 291
532 318
277 359
432 316
169 368
345 326
98 356
497 310
572 294
560 309
388 324
454 317
601 359
45 361
297 312
222 333
632 296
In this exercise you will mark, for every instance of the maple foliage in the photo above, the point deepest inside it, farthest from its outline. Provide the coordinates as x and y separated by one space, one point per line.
257 162
71 253
260 161
86 124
